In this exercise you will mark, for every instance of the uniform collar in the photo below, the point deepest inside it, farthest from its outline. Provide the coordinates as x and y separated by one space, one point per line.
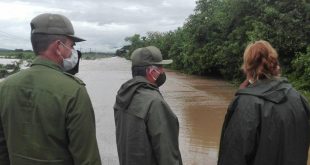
45 62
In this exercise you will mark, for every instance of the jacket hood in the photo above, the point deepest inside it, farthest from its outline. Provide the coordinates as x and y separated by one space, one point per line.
128 90
274 90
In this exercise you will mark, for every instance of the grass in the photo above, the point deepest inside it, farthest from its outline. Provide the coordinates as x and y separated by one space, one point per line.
29 55
17 54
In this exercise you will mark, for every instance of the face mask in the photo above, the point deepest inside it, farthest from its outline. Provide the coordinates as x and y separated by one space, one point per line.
75 70
69 63
161 77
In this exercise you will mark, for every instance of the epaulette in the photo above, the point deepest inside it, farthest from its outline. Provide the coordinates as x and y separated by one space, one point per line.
74 78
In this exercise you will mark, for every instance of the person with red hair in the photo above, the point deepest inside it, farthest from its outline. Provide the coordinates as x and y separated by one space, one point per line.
267 123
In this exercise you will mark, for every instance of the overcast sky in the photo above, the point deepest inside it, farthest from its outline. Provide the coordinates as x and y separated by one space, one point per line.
103 23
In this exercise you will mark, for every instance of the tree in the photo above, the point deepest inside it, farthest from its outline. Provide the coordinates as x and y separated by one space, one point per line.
213 38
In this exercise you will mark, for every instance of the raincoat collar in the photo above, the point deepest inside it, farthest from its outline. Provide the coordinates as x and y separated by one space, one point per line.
274 90
128 90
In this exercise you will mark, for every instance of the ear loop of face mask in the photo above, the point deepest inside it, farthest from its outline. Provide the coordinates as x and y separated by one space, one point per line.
65 46
154 68
59 52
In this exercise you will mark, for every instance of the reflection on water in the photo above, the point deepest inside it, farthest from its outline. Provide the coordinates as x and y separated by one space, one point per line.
199 103
103 78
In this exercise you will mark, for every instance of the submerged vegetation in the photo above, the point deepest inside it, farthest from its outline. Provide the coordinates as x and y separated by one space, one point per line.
21 55
213 38
8 69
27 57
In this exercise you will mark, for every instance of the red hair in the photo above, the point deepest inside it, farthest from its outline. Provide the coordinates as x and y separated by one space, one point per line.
260 61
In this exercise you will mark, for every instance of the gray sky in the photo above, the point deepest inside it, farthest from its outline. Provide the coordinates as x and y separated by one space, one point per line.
103 23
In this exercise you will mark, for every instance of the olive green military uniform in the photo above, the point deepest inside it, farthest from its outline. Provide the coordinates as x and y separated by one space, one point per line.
147 130
46 118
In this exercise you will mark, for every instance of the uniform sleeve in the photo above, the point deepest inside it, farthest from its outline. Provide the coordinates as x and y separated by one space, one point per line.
163 129
240 132
81 130
4 156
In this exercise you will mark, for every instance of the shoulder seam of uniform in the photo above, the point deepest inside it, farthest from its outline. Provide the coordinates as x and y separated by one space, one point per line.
74 78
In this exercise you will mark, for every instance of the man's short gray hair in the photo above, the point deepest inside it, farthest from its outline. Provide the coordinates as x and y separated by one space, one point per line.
40 42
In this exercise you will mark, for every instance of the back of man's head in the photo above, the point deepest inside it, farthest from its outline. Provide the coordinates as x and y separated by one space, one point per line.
144 57
47 28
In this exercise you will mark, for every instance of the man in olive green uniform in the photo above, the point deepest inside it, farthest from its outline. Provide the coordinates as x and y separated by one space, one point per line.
147 130
46 114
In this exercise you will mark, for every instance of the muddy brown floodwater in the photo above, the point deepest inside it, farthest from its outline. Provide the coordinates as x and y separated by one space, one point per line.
199 103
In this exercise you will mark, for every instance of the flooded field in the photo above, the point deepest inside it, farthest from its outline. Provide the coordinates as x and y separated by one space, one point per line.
5 61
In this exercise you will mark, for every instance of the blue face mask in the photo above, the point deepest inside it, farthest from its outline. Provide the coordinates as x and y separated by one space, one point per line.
69 63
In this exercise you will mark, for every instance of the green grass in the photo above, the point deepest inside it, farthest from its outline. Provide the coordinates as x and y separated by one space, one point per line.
17 54
29 55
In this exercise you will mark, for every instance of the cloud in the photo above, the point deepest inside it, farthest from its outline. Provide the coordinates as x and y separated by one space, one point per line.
104 24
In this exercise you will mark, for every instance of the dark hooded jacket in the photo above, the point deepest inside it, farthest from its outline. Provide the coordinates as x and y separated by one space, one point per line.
266 124
146 129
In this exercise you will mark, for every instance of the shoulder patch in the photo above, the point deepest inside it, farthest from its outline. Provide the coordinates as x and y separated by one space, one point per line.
75 78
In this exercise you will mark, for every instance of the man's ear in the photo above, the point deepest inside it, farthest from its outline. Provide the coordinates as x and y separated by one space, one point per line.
58 52
149 75
56 46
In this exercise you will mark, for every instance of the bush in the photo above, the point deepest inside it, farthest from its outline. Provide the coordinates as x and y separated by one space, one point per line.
301 67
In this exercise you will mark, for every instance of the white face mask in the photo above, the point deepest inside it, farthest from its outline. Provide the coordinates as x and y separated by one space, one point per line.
69 63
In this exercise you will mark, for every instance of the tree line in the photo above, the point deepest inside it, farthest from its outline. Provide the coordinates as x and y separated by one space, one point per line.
213 38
